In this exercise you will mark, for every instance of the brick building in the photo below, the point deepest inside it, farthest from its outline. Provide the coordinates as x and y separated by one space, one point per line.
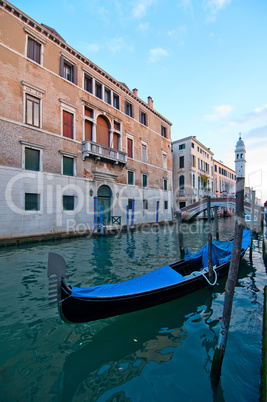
70 132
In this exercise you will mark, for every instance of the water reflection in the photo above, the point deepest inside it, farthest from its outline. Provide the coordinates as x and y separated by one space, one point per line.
170 346
121 350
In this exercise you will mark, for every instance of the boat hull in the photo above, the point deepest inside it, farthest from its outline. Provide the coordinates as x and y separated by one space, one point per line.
80 310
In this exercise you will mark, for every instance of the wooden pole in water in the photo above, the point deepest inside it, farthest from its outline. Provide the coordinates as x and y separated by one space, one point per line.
234 264
180 234
252 223
210 265
216 222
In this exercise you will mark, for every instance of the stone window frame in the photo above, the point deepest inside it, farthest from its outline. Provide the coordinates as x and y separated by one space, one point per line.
39 40
38 93
37 147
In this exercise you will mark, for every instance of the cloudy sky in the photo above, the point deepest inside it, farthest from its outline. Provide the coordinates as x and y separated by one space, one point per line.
204 63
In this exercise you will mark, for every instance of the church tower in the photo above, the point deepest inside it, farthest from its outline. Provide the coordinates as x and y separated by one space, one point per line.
240 162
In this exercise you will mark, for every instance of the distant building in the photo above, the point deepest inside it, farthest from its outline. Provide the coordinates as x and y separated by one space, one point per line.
70 132
224 180
192 171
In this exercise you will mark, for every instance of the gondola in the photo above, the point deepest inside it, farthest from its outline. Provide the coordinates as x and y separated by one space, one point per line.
79 305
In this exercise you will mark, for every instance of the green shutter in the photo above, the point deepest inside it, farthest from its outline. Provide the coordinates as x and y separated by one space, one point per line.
67 166
32 159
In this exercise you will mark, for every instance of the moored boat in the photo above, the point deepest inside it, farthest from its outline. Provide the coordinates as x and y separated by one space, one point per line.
78 305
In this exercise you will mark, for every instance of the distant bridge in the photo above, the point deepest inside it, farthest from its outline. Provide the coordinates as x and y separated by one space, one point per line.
190 212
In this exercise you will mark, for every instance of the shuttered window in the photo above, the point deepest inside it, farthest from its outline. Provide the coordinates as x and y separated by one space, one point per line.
88 130
130 178
68 166
67 124
115 144
129 147
102 131
144 180
34 50
32 159
68 70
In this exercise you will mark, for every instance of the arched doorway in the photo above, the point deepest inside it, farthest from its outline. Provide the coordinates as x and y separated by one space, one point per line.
102 131
104 195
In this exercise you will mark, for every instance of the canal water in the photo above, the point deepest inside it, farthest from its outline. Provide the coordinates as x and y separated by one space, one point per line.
158 354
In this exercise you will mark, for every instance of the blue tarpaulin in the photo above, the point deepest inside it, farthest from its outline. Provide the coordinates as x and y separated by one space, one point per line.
161 277
221 251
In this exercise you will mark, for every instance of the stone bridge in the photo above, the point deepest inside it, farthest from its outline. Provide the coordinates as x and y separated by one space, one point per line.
190 212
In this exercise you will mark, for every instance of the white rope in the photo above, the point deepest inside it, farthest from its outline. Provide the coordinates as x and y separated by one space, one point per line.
203 274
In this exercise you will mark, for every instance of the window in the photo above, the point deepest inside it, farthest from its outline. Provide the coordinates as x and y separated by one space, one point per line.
32 159
68 166
130 203
68 70
192 145
145 204
181 146
32 202
163 132
88 83
117 126
68 202
128 109
144 153
182 204
32 111
165 204
142 117
144 180
34 50
130 178
181 182
108 95
88 125
193 161
194 181
98 90
129 147
116 101
181 162
67 124
165 184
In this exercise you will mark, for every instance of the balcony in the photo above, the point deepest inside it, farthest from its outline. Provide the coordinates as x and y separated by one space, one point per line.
101 152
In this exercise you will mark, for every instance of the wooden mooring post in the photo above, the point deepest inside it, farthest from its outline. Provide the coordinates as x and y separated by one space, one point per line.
234 264
180 234
216 223
210 265
252 223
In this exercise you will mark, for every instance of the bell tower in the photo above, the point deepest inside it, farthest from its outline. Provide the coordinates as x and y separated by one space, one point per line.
240 161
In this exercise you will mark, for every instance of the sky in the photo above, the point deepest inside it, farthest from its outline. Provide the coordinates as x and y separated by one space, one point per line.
203 62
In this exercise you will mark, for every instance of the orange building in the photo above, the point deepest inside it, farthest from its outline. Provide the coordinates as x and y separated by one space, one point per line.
70 132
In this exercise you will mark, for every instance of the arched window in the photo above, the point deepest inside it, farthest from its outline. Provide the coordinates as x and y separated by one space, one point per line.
102 131
181 182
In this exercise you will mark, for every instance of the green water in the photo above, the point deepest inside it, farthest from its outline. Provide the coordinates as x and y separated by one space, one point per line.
161 354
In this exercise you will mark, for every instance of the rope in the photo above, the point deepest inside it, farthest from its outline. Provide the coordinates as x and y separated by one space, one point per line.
203 274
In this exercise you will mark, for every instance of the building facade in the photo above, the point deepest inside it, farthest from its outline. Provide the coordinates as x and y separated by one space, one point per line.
192 171
224 180
70 132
